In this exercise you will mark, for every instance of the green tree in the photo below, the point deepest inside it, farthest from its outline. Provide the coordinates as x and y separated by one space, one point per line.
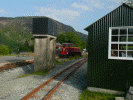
4 49
10 50
83 45
61 38
32 48
87 45
26 43
128 2
24 48
71 37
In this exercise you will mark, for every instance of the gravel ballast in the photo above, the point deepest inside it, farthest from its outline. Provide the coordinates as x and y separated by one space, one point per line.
14 88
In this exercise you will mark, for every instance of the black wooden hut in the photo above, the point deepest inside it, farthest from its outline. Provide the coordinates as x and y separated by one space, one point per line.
110 52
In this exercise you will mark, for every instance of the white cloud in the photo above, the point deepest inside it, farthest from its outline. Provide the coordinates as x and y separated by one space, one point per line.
111 7
11 13
2 11
94 3
60 15
97 4
62 1
75 5
117 1
112 4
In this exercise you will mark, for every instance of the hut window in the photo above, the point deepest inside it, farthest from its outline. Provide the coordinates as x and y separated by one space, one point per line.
120 43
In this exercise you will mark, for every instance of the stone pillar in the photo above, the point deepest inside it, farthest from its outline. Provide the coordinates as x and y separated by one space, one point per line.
47 52
52 52
44 54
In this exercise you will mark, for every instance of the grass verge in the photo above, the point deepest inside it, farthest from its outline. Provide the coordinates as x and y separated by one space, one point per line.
32 54
36 73
89 95
9 55
57 63
69 59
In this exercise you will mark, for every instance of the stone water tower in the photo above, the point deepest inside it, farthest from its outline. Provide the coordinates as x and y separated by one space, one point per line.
44 32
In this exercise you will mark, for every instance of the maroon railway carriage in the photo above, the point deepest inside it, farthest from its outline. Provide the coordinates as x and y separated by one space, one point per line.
68 49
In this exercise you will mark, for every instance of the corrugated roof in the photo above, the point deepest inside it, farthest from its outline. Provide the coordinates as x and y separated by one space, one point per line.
107 14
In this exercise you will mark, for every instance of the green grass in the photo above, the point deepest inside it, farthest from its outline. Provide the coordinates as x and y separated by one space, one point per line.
15 54
41 72
89 95
85 56
9 55
60 62
56 62
69 59
75 57
36 73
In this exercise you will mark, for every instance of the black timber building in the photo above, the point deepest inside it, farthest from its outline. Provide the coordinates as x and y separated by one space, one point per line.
110 52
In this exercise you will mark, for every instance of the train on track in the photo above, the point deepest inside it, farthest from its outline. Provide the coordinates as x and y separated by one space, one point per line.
68 49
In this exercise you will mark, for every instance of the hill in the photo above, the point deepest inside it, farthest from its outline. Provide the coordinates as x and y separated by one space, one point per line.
15 31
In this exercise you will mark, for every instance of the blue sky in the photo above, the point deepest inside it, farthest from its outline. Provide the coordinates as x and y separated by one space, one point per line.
77 13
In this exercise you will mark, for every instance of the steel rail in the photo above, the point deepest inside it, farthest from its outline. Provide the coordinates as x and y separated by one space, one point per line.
57 86
14 65
45 83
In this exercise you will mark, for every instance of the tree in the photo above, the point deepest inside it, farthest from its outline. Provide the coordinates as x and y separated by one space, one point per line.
4 50
71 37
24 48
32 48
87 45
10 50
128 2
26 43
83 45
61 38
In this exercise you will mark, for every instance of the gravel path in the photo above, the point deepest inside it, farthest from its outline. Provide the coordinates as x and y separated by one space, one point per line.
15 88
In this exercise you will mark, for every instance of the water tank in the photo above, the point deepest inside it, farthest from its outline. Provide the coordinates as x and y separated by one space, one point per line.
44 26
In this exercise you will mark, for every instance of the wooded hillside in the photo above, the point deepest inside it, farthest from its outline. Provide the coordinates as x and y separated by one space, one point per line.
15 31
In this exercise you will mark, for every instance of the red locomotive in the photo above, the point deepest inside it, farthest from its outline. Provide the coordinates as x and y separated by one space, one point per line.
68 49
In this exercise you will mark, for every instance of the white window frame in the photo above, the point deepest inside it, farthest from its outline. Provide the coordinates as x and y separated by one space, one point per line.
110 42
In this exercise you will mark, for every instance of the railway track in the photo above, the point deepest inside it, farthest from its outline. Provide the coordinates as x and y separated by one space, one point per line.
16 64
48 88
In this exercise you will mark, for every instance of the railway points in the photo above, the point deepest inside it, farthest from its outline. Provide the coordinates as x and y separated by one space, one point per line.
18 88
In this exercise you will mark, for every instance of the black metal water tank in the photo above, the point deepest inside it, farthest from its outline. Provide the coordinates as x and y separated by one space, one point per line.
44 26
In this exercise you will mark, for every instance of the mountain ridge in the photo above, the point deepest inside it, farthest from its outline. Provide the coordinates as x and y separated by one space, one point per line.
20 29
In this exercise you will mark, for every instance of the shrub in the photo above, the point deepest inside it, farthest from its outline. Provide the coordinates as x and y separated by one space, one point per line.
24 48
32 48
4 50
10 50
